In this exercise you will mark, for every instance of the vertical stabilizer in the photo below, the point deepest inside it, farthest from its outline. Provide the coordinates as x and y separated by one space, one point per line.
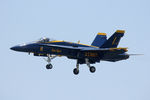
99 39
114 40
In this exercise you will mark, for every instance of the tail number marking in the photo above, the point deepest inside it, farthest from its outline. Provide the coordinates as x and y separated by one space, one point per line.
91 54
56 50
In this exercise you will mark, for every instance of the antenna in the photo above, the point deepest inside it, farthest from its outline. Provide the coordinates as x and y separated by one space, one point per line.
78 41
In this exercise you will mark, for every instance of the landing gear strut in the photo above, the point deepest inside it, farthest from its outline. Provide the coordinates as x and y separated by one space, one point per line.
76 70
91 68
49 65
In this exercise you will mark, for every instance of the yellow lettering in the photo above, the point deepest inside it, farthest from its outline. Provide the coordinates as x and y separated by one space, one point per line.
91 54
56 50
41 48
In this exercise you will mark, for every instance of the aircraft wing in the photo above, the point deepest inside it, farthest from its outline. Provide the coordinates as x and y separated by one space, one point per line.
87 49
106 50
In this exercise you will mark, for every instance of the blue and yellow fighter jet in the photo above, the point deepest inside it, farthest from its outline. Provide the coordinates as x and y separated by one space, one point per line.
101 49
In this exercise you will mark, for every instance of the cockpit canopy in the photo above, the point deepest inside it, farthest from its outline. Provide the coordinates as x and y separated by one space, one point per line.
44 40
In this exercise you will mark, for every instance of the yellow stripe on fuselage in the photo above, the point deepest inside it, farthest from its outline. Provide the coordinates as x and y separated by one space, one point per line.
55 41
82 44
88 45
71 43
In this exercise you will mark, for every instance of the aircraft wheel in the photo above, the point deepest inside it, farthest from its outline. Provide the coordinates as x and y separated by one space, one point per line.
92 69
49 66
76 71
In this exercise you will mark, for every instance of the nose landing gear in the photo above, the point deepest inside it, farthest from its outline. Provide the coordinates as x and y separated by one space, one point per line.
49 65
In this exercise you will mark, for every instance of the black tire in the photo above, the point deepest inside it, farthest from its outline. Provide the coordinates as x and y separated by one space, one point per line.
49 66
92 69
76 71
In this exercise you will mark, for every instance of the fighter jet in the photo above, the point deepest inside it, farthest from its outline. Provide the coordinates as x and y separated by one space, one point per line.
101 49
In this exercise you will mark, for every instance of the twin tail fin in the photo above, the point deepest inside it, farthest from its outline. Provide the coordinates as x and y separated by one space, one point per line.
114 40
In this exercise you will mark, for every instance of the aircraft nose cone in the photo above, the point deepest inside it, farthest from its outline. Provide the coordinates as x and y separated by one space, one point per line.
12 48
15 48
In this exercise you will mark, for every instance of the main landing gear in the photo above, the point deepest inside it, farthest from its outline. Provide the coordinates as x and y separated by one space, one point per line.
91 68
76 70
49 65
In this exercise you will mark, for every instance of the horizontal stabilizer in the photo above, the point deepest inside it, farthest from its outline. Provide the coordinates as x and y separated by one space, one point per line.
135 54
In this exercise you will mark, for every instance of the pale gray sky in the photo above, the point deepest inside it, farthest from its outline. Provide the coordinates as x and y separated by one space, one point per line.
24 77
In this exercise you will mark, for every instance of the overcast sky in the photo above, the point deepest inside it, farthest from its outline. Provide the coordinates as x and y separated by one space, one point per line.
24 77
